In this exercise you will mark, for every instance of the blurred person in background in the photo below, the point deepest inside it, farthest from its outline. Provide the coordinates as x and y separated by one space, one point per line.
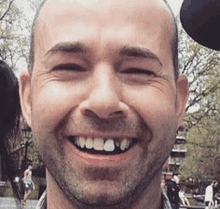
209 195
173 191
28 183
215 194
183 198
163 185
9 118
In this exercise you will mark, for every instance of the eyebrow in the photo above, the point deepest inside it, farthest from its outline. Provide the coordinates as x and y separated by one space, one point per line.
139 52
130 51
69 48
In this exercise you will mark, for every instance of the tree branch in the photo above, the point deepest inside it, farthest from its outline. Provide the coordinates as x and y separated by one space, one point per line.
9 6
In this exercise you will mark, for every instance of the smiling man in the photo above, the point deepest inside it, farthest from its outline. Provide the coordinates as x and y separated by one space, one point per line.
104 100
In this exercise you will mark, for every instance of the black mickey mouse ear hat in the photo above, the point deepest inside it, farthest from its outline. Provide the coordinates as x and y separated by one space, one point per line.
201 20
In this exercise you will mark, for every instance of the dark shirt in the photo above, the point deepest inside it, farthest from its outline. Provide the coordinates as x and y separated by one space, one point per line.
173 192
215 190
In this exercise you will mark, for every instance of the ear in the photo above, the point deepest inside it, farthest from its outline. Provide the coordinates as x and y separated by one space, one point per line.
25 95
181 97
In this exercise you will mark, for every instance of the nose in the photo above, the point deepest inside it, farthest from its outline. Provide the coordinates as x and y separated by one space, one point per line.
104 98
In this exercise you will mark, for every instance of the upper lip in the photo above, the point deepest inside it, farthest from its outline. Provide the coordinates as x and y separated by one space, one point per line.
102 134
103 128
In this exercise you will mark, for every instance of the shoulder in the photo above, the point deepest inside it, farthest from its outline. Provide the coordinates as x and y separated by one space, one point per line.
25 172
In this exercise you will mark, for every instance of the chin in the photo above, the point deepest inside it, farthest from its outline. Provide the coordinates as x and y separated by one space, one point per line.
101 195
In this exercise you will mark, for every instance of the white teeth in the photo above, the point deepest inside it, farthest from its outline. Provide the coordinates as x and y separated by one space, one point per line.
98 143
89 143
81 141
123 144
128 143
77 141
109 145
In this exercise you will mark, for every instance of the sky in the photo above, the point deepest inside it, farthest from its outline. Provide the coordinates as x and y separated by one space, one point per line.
175 5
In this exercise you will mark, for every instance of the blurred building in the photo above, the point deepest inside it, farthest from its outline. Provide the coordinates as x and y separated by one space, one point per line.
177 155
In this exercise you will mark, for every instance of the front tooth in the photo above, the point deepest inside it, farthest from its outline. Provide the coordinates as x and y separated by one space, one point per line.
123 144
128 143
89 143
77 141
98 143
81 141
109 145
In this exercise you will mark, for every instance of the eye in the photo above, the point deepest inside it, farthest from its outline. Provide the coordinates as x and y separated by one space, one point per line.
137 71
69 67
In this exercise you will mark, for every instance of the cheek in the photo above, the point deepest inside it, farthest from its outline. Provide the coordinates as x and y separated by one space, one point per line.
51 104
156 107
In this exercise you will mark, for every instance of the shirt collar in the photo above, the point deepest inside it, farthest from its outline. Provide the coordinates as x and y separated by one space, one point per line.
42 203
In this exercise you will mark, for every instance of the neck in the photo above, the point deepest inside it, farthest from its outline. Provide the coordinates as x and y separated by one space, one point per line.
151 196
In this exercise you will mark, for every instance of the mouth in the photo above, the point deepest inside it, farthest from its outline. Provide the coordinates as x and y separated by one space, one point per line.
102 146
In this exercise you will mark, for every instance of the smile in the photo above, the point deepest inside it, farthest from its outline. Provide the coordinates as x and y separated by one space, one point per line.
105 146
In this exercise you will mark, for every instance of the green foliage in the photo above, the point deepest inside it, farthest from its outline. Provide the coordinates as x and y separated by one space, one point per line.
15 27
202 67
203 151
14 39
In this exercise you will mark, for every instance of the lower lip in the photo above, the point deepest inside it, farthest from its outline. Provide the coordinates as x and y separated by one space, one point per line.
96 159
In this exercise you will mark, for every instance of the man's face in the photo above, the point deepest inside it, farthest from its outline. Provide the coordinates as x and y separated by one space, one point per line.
103 101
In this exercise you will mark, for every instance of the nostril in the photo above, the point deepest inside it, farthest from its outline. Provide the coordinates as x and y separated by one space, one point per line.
89 113
103 110
117 113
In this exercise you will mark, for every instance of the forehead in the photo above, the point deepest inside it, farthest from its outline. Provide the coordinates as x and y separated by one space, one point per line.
105 11
102 6
135 22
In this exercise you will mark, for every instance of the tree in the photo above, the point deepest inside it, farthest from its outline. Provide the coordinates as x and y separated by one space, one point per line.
15 27
202 67
203 151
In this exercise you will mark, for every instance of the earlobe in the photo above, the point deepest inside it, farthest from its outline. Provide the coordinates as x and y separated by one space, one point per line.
25 95
181 97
